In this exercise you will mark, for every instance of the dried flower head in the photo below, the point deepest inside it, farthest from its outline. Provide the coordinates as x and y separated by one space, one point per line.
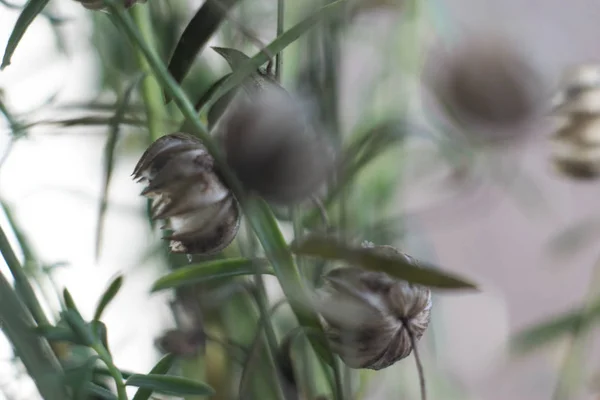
575 145
272 148
99 4
187 192
487 82
371 316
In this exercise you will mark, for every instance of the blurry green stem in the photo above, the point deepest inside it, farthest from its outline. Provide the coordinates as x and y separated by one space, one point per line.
112 369
280 20
22 285
151 90
572 368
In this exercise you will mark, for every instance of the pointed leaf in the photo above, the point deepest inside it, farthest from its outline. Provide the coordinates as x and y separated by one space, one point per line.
162 367
109 157
79 327
108 296
543 333
68 299
196 34
234 57
79 377
29 13
278 45
57 334
101 392
427 275
203 272
172 385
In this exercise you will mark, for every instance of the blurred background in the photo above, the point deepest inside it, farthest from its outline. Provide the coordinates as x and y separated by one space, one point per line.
508 220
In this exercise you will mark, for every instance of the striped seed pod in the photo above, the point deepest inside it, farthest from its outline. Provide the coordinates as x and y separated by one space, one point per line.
575 145
187 192
370 316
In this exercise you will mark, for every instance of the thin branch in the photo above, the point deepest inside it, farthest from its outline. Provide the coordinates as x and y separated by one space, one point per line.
413 344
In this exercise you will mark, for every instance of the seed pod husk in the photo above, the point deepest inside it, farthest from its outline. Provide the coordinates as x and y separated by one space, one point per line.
187 192
369 316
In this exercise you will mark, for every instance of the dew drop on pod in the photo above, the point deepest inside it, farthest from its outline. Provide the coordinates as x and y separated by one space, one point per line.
575 145
487 85
99 4
187 192
271 146
369 316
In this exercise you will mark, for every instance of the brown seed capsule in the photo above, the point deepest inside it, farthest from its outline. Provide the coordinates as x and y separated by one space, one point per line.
271 147
487 83
575 146
369 316
187 192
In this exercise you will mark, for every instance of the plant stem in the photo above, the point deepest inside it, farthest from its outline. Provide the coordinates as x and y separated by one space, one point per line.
112 369
280 20
151 90
22 285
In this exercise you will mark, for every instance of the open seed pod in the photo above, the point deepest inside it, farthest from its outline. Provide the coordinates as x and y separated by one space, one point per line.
575 146
272 148
187 192
369 316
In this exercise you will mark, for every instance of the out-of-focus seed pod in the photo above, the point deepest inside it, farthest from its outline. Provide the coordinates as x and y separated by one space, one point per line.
187 192
369 316
575 146
271 147
487 83
183 344
99 4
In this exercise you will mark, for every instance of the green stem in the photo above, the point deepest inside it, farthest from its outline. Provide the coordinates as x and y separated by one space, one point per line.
280 20
22 285
112 369
151 90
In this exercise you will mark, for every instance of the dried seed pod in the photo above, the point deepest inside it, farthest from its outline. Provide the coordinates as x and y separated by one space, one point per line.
272 148
187 192
183 344
369 316
575 146
487 82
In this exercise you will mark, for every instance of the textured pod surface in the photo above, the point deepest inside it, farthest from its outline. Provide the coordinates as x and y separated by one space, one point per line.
575 145
186 191
367 314
272 148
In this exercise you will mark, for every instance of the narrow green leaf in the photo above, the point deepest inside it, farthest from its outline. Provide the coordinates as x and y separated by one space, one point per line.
278 45
31 10
100 332
103 371
428 275
109 156
162 367
206 96
263 221
100 392
57 334
108 296
195 36
166 384
543 333
79 327
203 272
68 299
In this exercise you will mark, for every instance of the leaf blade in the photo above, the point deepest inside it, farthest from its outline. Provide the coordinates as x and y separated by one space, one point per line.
162 367
108 295
168 384
331 249
195 36
29 13
193 274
